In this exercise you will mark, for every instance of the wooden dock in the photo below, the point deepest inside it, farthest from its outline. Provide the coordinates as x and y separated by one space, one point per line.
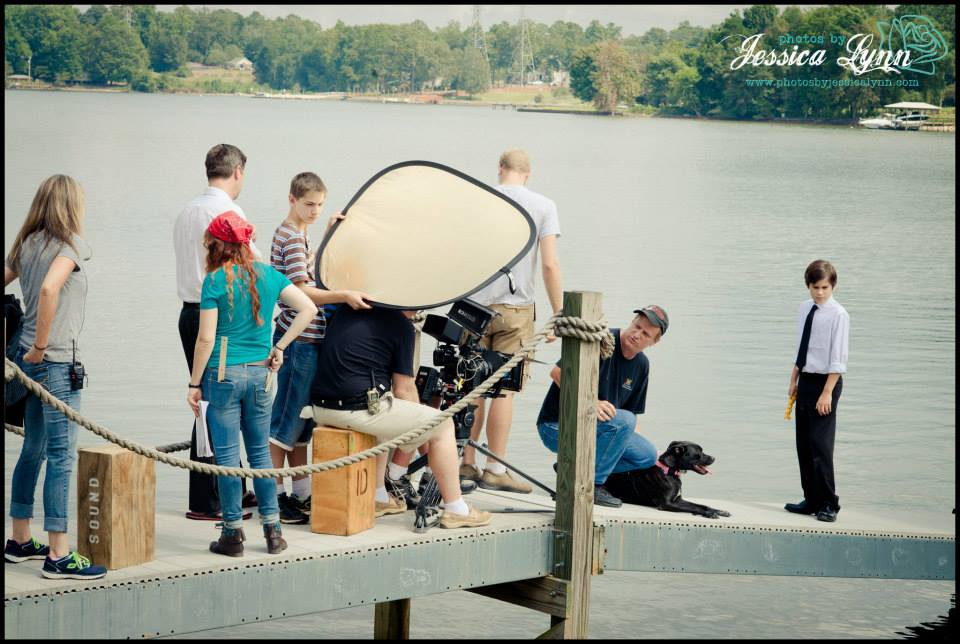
187 588
542 557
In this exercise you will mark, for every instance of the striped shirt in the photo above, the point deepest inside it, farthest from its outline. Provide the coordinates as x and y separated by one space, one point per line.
290 254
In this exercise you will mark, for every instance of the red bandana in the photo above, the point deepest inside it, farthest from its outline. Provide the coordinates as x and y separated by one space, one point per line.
231 227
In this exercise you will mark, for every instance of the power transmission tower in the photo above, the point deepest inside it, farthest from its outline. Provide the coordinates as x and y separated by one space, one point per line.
523 59
479 41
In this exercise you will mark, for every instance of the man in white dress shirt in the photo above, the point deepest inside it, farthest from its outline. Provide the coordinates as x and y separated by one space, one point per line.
225 172
823 327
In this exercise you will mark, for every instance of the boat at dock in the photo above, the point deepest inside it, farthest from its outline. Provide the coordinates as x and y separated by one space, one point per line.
912 117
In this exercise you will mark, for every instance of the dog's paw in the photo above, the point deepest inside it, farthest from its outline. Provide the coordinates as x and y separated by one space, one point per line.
716 514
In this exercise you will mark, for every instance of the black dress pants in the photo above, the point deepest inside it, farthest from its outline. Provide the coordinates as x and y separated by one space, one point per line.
815 437
204 495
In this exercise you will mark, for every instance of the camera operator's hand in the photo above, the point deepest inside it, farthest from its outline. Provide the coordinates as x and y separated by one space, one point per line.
605 410
356 299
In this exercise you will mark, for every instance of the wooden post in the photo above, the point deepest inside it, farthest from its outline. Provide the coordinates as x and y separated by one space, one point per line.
573 537
391 620
116 506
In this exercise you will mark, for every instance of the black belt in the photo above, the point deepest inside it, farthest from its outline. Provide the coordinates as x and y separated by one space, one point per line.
353 403
191 305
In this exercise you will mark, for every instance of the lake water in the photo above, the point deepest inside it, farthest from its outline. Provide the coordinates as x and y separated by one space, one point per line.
715 221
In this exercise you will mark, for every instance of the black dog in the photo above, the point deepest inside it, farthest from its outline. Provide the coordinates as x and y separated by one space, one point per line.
659 486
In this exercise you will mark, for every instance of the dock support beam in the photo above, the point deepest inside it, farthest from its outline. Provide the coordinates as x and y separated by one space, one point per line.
391 620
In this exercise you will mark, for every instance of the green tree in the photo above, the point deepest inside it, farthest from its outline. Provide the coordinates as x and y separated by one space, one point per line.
317 71
595 32
115 53
473 74
616 77
660 72
56 40
16 50
167 44
454 36
582 72
502 43
759 17
94 14
559 43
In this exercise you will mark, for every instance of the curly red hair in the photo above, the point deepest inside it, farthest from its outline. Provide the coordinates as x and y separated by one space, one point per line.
227 254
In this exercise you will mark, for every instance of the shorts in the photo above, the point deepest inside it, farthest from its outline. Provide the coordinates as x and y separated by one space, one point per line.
510 330
293 382
395 417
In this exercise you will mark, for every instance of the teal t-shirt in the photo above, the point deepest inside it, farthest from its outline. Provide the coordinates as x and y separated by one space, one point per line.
246 342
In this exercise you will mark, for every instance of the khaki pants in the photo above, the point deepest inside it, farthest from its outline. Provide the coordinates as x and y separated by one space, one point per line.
395 417
510 330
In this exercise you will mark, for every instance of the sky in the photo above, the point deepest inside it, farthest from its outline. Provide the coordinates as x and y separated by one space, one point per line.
634 19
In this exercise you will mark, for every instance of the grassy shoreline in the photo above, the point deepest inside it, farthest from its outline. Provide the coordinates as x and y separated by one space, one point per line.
542 99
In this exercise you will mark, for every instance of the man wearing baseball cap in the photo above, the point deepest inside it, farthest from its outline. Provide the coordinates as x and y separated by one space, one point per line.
621 397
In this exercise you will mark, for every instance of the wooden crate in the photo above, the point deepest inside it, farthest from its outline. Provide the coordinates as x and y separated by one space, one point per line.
342 499
116 506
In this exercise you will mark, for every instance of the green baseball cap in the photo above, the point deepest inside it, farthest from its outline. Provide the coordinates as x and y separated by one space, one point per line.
656 315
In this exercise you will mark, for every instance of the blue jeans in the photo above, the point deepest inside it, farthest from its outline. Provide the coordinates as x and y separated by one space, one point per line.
241 404
619 447
287 429
49 436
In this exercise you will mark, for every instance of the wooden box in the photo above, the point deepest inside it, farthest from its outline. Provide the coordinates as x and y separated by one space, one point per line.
116 506
342 499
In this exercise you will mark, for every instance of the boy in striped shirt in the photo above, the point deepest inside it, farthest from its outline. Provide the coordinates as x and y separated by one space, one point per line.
290 253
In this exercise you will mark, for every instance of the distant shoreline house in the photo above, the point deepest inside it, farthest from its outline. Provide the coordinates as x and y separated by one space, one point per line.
243 63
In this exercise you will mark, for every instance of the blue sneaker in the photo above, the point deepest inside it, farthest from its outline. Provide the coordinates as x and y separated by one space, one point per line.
73 566
19 552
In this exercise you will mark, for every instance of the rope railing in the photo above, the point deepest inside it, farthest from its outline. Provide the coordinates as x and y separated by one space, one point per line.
557 325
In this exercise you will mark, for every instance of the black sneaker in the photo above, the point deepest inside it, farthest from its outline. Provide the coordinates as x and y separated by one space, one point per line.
19 552
73 566
290 512
301 504
604 498
402 488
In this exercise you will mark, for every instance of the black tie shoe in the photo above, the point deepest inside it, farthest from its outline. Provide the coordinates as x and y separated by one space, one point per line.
828 514
801 508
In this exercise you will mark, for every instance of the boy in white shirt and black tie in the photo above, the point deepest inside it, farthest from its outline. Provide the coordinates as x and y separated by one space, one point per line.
824 331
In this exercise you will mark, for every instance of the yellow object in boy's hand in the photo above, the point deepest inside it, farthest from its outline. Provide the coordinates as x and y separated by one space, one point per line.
793 399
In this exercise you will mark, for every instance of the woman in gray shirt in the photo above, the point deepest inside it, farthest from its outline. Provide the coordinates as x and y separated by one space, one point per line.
47 256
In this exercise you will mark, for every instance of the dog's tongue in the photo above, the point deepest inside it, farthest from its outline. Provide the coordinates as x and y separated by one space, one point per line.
700 469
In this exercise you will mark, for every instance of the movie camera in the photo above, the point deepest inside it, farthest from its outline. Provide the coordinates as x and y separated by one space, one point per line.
462 364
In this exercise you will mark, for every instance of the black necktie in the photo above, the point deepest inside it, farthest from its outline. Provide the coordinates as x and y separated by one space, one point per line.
805 339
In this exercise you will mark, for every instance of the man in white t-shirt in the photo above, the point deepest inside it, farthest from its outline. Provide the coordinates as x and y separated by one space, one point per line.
225 165
515 324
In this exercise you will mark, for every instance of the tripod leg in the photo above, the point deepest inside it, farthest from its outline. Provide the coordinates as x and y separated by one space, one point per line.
430 500
483 449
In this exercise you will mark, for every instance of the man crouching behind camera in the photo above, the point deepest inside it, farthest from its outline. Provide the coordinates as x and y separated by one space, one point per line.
365 382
